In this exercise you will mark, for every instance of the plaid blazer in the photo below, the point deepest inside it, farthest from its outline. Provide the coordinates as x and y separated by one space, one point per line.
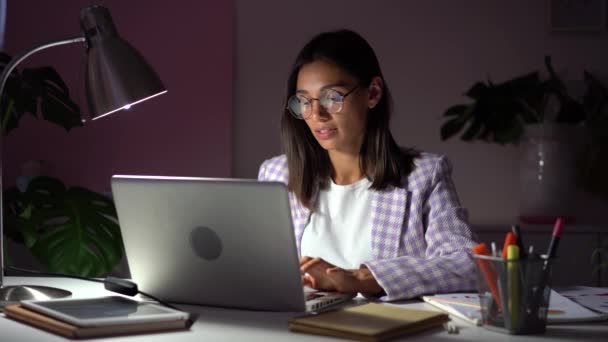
421 241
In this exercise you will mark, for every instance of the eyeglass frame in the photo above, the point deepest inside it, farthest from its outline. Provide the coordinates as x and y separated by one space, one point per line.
318 100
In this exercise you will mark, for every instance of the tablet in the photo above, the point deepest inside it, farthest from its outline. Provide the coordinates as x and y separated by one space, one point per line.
102 311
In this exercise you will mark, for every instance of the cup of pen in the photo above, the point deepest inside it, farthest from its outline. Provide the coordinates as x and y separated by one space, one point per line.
514 293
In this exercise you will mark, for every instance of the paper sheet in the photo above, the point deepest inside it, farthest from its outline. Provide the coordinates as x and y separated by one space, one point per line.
561 309
594 298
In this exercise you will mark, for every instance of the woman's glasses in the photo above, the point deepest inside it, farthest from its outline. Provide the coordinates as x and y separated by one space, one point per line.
330 100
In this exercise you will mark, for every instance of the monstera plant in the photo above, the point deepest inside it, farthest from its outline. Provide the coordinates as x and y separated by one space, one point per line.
68 230
33 88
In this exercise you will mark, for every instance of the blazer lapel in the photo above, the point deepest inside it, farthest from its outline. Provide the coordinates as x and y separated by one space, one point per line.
388 213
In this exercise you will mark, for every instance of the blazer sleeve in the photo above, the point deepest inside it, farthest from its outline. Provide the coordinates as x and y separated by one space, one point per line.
274 169
447 265
262 171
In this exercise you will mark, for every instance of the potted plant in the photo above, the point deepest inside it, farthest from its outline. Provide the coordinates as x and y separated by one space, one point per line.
561 137
72 231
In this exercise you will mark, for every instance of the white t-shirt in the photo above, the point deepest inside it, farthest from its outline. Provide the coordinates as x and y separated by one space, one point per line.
339 230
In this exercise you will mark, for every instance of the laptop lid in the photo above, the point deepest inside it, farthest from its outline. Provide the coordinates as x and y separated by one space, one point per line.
221 242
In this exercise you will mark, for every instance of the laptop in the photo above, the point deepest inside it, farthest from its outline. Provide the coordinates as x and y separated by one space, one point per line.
211 241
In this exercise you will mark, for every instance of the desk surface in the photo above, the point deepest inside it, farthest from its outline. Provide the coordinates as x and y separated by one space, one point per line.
217 324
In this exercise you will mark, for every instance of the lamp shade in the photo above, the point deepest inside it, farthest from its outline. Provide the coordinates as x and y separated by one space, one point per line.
117 76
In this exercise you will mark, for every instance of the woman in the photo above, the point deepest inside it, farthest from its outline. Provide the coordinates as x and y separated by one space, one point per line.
369 216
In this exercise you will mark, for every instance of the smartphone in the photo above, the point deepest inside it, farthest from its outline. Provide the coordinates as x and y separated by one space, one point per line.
103 311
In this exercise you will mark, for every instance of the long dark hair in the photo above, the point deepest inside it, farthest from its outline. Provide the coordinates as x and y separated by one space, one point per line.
382 160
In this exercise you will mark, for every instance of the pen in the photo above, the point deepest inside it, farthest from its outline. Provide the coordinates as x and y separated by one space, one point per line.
519 241
488 271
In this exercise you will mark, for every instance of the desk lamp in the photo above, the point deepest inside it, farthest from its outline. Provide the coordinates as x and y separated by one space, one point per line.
117 77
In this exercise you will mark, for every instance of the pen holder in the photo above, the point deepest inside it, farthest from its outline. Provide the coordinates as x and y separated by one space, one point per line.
514 294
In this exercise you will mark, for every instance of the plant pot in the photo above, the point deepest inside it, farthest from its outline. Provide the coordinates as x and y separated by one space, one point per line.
548 172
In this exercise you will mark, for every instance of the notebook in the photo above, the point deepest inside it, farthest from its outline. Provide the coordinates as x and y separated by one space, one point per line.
368 322
594 298
210 241
462 305
466 306
22 314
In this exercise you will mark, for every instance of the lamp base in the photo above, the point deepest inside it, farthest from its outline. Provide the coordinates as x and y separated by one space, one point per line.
13 294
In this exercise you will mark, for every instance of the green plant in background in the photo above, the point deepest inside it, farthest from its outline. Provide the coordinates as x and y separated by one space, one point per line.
69 230
72 231
35 88
499 113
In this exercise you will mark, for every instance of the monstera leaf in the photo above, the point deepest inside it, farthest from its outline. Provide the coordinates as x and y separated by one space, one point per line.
35 88
71 231
499 111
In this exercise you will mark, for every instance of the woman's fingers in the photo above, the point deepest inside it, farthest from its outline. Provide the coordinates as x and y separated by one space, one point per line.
309 281
308 264
332 269
304 259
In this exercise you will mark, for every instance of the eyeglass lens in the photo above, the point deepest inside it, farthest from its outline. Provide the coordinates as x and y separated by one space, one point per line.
331 101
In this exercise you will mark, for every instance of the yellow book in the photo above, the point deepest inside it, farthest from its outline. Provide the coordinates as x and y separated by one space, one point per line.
368 322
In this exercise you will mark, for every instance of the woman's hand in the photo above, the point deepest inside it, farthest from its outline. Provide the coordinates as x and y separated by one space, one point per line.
321 275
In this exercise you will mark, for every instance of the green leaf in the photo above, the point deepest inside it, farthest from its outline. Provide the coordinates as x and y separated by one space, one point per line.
571 112
595 101
457 110
451 127
35 88
55 102
78 231
477 91
475 126
20 222
510 134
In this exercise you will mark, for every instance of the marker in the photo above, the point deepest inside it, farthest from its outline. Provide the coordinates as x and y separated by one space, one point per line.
488 271
557 233
513 284
509 240
519 241
551 253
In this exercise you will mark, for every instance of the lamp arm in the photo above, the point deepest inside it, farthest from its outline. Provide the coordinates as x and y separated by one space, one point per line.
3 78
19 58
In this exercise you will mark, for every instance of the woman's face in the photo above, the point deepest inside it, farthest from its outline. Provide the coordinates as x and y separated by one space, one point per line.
344 131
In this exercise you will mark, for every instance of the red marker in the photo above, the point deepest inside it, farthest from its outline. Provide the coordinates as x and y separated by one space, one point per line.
551 252
488 272
510 239
557 233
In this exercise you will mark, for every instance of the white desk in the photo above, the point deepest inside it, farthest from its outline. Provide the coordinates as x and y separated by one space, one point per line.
216 324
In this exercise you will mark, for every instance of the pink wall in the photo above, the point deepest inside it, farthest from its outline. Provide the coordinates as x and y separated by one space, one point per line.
187 131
